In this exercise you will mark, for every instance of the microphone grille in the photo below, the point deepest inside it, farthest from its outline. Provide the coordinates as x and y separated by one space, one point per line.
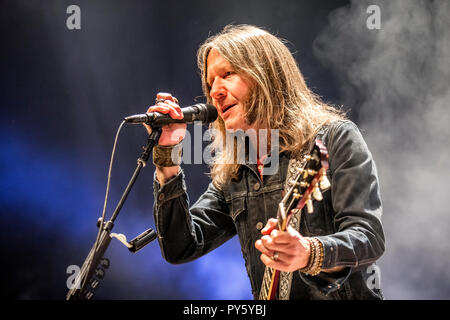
209 112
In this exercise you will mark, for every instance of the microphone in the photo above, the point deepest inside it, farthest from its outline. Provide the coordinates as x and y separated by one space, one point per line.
203 112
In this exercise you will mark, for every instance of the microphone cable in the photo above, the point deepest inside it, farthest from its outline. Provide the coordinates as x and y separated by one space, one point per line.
91 257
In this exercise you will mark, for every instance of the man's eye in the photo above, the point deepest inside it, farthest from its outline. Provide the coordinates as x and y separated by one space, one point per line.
228 73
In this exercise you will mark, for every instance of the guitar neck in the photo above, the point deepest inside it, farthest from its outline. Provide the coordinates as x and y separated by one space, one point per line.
302 187
266 284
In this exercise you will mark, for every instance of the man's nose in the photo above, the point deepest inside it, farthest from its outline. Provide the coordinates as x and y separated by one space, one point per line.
218 91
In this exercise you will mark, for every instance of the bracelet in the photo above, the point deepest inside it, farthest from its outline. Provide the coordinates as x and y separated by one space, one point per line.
312 247
315 263
318 261
167 156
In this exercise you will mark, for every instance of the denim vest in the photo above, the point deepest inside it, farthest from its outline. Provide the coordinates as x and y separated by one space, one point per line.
347 221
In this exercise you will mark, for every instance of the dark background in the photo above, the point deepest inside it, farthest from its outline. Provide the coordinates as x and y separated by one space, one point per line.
63 95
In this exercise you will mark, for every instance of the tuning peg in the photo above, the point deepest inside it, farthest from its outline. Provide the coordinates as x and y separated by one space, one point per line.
324 182
309 205
104 262
302 184
317 195
89 295
99 273
296 194
305 174
94 283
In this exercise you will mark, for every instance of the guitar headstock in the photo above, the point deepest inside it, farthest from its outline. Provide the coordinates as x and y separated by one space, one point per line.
307 183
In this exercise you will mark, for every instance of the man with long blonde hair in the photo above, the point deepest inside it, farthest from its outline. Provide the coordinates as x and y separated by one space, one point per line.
252 79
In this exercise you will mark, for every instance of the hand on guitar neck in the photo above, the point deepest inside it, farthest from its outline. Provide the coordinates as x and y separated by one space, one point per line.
293 249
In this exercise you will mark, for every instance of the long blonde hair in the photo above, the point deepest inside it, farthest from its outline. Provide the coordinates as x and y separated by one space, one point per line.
279 98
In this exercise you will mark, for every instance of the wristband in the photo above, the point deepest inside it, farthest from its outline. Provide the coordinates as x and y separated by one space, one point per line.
167 156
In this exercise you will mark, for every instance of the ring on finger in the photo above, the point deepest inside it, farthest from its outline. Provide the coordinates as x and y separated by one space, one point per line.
158 100
275 256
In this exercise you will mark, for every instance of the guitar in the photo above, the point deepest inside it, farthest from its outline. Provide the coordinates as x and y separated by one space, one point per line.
306 184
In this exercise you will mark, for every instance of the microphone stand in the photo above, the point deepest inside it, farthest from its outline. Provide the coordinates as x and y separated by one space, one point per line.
81 291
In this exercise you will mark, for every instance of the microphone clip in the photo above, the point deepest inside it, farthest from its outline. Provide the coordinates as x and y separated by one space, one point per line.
135 244
138 242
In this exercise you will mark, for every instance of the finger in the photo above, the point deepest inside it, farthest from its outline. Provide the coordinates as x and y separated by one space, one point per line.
280 237
161 108
259 245
269 244
175 110
166 96
166 108
270 225
278 264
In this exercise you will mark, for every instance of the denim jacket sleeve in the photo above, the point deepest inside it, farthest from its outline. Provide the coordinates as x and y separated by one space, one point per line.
358 237
185 234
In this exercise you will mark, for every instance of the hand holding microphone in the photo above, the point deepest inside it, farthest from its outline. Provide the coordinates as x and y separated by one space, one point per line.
172 120
172 133
167 112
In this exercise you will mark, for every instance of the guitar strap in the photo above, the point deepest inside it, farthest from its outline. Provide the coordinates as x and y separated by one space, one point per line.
284 290
285 283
